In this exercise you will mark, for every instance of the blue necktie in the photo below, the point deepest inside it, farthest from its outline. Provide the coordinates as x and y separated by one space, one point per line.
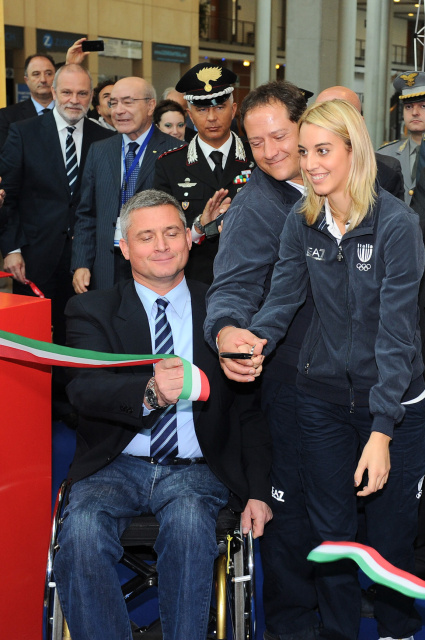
71 162
164 438
130 186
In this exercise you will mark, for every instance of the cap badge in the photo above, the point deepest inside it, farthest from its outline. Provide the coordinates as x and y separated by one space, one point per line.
409 78
207 74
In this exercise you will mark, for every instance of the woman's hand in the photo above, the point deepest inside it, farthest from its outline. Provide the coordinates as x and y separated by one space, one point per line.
376 459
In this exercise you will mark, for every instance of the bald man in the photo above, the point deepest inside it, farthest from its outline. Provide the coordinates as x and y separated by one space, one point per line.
115 172
390 176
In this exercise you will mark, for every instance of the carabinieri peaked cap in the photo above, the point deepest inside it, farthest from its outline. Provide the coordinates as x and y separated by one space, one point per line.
207 85
411 85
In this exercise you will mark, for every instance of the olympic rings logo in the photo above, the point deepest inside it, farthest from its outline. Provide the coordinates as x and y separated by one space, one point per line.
363 267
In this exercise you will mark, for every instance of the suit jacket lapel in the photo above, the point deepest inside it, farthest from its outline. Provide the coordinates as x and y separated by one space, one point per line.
152 152
114 161
202 356
131 322
229 169
53 148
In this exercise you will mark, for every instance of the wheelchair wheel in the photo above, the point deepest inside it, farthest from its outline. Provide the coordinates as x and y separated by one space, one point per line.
52 612
241 588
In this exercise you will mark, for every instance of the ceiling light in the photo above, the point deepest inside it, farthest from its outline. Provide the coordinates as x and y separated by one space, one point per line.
246 63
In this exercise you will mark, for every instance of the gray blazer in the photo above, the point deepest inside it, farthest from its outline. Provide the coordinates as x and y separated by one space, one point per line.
400 150
96 216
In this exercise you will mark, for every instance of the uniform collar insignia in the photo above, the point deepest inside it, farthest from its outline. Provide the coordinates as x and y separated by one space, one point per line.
403 145
192 152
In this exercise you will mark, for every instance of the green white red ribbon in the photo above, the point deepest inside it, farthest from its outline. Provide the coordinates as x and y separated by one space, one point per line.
16 347
373 565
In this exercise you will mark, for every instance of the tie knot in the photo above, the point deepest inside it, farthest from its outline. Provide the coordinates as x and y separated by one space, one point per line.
162 304
43 111
133 147
70 130
216 157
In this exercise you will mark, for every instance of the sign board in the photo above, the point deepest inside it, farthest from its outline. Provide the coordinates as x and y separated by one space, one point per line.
115 48
13 37
48 40
22 92
170 53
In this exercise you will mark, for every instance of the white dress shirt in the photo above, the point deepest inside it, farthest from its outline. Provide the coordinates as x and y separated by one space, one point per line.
179 315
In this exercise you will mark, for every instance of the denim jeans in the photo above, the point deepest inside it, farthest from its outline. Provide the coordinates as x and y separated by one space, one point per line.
331 440
185 500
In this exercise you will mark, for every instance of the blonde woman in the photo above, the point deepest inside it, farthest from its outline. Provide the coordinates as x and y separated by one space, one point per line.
360 402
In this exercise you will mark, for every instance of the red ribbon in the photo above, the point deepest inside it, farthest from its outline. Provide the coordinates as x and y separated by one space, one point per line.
33 287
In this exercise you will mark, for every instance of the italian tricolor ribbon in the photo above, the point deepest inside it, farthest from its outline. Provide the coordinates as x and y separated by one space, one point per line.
16 347
373 565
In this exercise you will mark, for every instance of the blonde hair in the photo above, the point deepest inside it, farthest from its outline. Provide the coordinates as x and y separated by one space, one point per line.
343 120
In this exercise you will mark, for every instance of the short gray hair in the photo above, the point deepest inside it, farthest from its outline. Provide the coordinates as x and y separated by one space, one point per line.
147 200
71 67
166 92
150 91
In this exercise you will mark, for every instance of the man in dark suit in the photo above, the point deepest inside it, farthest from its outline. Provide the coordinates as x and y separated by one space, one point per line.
38 213
141 450
215 160
39 74
115 170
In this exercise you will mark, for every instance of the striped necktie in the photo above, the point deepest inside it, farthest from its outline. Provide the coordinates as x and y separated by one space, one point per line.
164 438
130 186
71 162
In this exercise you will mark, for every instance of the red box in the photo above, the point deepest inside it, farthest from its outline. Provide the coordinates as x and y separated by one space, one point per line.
25 472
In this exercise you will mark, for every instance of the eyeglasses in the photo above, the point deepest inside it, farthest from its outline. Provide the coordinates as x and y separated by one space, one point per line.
127 102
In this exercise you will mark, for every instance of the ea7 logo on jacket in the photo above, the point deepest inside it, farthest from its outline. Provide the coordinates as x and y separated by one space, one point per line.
316 254
364 254
278 494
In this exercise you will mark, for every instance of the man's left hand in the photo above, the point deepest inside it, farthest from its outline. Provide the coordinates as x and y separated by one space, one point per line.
255 515
75 54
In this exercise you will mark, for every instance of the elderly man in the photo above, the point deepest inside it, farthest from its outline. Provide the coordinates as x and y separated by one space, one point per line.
141 450
115 170
42 165
216 160
38 75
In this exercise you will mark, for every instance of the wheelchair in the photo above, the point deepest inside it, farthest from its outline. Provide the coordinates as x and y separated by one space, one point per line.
234 576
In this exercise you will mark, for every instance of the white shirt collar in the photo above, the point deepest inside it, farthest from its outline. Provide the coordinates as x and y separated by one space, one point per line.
62 124
140 140
300 187
177 297
332 225
207 148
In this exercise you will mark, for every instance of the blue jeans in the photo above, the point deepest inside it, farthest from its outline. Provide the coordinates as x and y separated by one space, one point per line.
331 440
289 592
185 500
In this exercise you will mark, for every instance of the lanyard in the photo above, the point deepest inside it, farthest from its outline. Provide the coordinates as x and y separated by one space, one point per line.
135 162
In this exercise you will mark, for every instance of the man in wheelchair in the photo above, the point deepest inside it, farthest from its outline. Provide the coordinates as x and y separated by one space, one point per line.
141 450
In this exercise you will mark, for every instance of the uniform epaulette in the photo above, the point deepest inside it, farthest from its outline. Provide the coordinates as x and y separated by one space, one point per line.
386 144
166 153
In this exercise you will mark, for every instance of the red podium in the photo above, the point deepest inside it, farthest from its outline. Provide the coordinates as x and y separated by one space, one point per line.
25 472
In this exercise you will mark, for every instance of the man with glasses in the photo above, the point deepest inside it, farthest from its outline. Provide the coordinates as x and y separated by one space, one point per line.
115 171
